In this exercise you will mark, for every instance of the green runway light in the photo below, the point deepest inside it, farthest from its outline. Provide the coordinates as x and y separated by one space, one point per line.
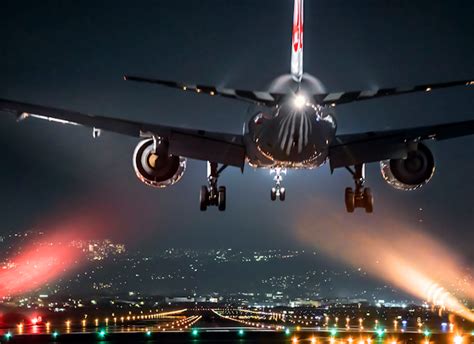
241 332
333 332
380 332
194 332
8 335
148 333
102 333
427 333
287 331
55 334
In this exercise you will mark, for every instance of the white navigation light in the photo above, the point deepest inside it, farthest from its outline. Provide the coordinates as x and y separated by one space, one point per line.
299 101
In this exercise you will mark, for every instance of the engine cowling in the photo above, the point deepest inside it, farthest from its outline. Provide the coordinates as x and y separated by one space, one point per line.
157 168
410 173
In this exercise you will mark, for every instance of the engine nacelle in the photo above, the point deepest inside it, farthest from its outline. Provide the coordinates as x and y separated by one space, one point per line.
410 173
156 167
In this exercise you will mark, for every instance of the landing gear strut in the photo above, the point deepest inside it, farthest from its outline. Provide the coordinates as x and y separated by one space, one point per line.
212 194
361 197
278 190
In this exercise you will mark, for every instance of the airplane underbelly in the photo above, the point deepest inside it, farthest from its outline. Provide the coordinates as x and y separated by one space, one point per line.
290 142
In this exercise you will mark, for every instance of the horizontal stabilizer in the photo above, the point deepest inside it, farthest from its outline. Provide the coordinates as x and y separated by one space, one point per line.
257 97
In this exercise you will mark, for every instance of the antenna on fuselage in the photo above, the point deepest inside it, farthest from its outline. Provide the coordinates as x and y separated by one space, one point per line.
297 42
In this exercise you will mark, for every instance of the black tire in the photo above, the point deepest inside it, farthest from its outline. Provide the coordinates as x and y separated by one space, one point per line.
203 198
368 200
282 194
273 195
221 198
350 200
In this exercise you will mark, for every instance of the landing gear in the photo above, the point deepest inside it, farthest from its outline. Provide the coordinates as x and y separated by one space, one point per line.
278 190
212 194
361 197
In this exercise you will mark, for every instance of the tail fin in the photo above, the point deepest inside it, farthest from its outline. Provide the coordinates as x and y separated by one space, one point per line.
297 42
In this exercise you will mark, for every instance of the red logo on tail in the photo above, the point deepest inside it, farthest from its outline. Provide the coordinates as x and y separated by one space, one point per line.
298 27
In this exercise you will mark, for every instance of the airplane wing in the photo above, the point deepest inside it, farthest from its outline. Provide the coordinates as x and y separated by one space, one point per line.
257 97
271 98
227 149
353 149
355 96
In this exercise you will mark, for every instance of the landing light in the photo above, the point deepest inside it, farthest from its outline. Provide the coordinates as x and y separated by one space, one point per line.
299 101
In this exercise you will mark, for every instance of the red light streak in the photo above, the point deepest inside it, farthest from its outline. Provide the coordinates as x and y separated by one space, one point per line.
38 265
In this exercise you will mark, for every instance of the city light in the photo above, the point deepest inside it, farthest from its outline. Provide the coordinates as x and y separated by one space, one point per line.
294 340
458 339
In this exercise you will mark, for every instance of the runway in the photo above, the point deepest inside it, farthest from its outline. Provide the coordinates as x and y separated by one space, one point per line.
211 326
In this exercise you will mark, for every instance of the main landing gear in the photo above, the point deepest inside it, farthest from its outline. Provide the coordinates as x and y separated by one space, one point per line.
278 190
212 194
361 197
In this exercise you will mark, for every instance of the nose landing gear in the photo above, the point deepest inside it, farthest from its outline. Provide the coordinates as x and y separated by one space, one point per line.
212 194
278 190
361 197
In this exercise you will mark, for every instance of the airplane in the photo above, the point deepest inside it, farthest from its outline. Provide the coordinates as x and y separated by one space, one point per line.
289 130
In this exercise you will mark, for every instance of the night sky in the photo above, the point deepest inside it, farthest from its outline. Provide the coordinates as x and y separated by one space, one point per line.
73 54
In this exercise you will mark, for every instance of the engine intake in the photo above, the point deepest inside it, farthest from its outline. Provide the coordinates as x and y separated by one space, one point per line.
156 167
410 173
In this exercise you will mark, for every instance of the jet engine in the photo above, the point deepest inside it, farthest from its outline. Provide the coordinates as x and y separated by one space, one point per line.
410 173
154 166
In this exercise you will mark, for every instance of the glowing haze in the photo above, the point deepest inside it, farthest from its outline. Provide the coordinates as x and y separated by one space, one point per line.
38 265
98 215
392 250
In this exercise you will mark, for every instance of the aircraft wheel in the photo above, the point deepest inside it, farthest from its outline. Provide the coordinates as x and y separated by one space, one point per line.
273 194
203 198
282 194
350 200
221 198
368 200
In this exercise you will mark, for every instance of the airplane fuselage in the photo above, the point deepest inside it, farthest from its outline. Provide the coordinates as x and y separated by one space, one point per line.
289 136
